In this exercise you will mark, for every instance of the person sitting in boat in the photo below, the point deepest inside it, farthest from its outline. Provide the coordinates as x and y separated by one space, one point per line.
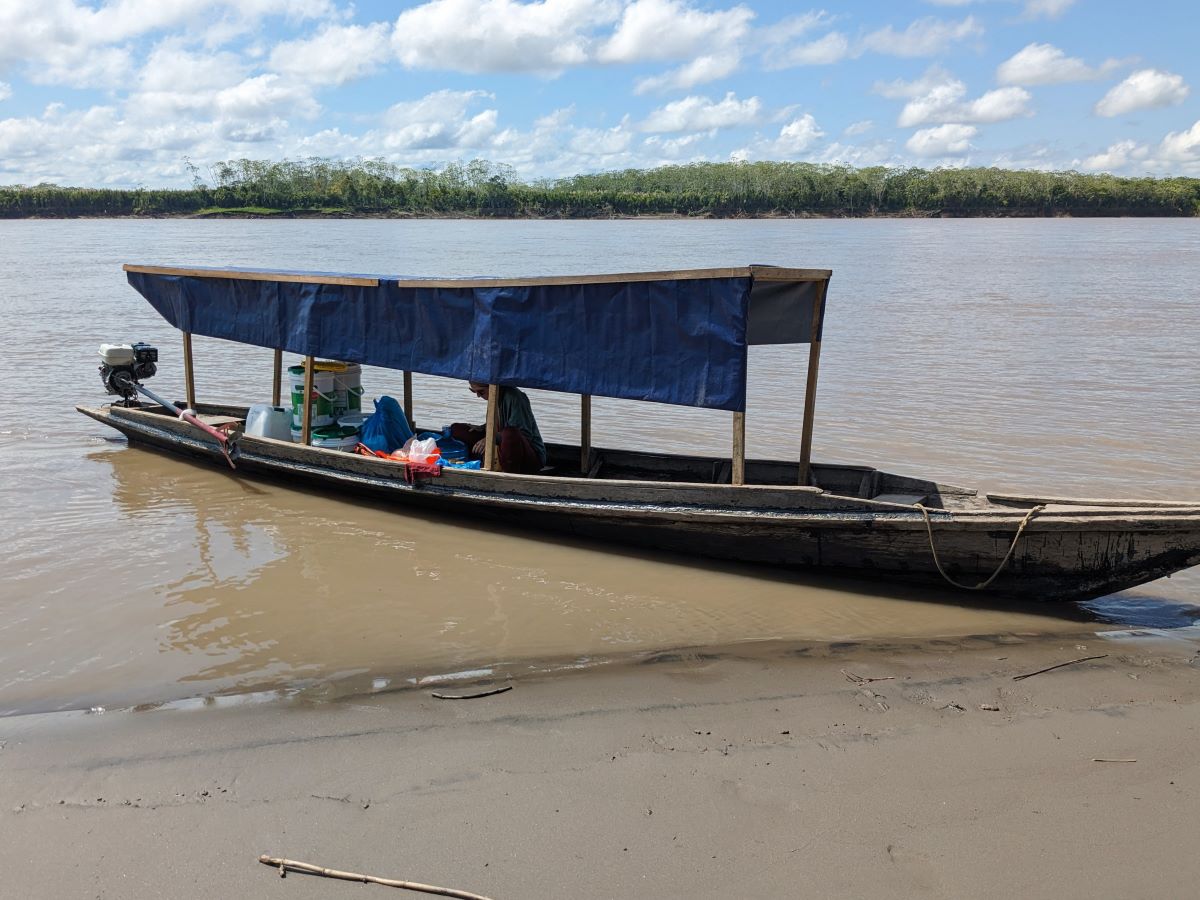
520 446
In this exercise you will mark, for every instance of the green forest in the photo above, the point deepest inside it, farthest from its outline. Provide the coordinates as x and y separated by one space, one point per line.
368 187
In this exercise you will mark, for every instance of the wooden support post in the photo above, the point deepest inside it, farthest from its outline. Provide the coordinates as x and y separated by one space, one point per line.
585 433
310 366
738 469
408 403
189 373
277 381
810 387
489 434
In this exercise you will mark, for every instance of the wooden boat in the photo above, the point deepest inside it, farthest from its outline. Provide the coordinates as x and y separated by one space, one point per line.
844 519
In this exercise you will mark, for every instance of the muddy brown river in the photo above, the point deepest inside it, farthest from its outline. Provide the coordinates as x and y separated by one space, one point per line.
1035 356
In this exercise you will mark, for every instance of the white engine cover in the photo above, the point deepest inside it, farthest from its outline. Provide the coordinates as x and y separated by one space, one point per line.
116 354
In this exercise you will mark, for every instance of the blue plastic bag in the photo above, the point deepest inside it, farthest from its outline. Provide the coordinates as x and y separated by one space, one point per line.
451 448
387 428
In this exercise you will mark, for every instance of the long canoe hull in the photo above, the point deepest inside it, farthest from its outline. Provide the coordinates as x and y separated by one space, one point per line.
1066 552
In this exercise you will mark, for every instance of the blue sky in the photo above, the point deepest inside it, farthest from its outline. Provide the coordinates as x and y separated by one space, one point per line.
121 92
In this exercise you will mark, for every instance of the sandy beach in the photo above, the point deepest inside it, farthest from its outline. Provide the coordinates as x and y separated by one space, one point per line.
757 771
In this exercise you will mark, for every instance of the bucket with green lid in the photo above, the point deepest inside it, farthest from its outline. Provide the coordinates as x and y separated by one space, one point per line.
331 437
321 399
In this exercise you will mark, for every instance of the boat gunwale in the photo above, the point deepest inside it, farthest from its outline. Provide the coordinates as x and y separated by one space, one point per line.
458 483
452 475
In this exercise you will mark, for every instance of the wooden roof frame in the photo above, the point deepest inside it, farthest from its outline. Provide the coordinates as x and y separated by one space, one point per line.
759 273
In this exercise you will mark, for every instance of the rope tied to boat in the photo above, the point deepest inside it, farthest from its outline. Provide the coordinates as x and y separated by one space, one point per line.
1000 568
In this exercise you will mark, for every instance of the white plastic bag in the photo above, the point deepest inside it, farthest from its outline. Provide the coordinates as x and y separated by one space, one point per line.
422 450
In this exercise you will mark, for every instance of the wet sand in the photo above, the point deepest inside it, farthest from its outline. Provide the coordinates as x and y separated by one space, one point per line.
707 774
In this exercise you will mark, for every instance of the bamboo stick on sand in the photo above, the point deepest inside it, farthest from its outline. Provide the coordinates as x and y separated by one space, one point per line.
284 864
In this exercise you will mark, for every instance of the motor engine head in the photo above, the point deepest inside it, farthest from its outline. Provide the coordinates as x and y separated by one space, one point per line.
122 366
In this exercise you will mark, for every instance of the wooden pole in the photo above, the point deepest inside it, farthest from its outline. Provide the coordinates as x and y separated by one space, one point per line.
489 435
189 374
408 404
310 366
738 472
585 433
810 387
277 381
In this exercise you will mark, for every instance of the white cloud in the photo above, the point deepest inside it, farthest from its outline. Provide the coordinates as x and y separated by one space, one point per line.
82 66
5 90
101 145
438 121
943 140
1046 64
1178 153
81 45
796 138
937 96
214 92
997 106
264 96
798 135
702 114
1115 157
677 147
700 70
1046 9
176 84
856 128
787 30
602 142
1183 146
939 105
1144 89
780 49
875 153
931 79
669 29
924 37
832 48
335 55
555 147
499 35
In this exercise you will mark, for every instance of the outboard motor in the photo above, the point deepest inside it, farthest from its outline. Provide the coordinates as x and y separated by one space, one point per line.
122 366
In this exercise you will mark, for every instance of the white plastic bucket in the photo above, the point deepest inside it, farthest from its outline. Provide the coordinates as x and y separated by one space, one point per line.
331 437
321 399
264 420
347 390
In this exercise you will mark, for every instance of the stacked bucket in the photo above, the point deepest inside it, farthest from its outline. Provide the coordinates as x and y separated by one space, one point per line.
336 403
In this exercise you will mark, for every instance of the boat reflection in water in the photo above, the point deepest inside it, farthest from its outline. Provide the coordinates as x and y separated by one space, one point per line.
250 585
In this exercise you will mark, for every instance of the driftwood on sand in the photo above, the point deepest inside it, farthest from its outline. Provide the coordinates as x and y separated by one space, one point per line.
474 696
1069 662
284 864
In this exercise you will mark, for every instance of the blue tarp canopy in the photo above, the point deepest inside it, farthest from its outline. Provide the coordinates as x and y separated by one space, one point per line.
670 337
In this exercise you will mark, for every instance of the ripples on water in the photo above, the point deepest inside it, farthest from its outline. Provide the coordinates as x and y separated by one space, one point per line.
1038 356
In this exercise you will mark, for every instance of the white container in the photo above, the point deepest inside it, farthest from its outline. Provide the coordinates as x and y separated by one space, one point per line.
329 437
264 420
322 399
347 390
352 420
116 354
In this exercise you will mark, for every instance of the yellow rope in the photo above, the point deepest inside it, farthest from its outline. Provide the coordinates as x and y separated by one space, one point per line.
983 584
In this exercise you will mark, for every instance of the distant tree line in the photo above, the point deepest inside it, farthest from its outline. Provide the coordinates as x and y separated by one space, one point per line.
481 188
